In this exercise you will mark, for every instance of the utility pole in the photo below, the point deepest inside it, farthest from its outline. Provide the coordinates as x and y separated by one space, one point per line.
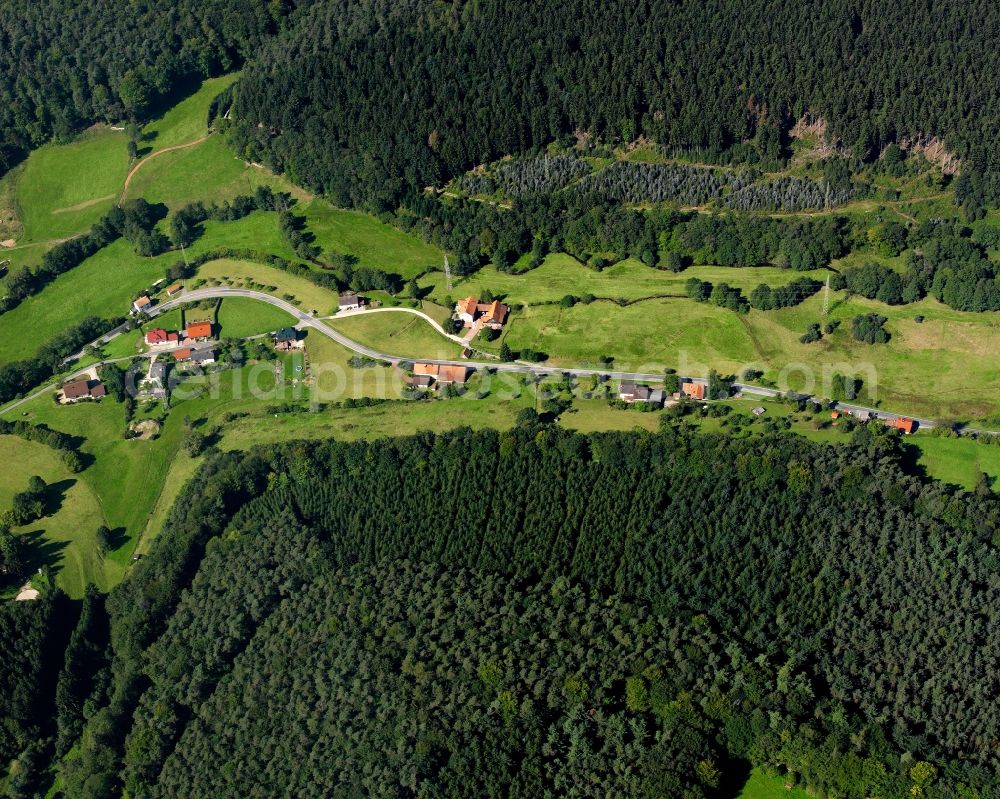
826 297
447 272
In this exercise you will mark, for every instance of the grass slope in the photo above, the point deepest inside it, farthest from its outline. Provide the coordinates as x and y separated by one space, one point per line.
64 188
240 317
561 274
104 284
186 121
65 538
397 333
374 243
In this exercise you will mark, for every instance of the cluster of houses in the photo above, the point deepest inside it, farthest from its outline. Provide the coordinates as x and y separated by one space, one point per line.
143 303
427 375
903 424
82 389
631 392
476 314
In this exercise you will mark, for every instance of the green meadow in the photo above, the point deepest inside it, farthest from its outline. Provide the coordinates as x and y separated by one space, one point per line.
188 120
240 317
374 243
561 274
397 333
62 189
105 284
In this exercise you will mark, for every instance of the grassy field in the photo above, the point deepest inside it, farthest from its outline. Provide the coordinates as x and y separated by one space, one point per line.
105 284
561 274
246 274
762 786
958 461
65 537
589 416
403 334
372 242
62 189
208 171
924 370
388 419
186 121
334 380
644 337
240 317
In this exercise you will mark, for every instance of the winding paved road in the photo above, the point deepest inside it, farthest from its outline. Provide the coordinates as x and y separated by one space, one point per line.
308 321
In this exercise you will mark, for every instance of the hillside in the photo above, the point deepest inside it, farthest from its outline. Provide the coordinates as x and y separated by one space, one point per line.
468 83
80 63
696 606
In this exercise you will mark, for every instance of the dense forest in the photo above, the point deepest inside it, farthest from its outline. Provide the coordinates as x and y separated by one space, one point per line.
69 64
541 613
368 100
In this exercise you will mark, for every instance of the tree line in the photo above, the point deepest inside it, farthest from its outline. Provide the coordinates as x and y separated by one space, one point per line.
134 220
469 84
18 377
817 667
67 65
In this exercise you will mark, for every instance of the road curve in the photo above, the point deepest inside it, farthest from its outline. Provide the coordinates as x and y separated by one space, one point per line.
308 321
433 323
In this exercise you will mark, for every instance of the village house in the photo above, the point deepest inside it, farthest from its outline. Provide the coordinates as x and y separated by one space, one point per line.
203 357
182 355
441 373
83 389
177 288
349 301
631 392
142 304
692 390
472 312
903 424
158 337
198 331
287 339
421 381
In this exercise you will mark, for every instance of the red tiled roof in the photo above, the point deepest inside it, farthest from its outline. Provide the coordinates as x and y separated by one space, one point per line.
182 355
425 369
467 306
693 390
496 311
160 336
198 330
904 424
452 374
98 391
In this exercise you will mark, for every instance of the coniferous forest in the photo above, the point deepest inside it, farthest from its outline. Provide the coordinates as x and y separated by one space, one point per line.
367 100
540 613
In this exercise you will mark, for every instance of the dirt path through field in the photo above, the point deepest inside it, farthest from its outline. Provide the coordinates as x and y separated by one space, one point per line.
85 204
150 157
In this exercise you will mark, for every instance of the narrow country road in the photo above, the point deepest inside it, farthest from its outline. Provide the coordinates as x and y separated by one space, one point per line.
308 321
363 311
